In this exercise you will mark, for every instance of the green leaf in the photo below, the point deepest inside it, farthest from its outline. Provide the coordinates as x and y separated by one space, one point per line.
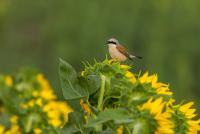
68 129
91 82
30 120
109 131
74 125
4 119
69 82
75 104
49 130
10 100
140 126
117 115
94 83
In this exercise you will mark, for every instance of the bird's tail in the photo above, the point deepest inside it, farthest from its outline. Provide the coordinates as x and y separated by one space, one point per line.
131 57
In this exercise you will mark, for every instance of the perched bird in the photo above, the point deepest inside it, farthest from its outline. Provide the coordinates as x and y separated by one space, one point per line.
118 52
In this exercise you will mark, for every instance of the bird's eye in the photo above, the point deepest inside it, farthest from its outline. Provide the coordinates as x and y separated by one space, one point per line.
112 42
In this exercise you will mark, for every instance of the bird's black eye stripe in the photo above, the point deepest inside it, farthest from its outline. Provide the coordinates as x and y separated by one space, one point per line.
112 42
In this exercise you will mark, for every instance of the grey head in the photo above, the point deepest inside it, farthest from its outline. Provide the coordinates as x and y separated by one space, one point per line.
113 41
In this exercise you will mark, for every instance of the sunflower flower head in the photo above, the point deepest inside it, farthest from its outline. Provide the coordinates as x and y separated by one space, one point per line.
157 113
182 117
37 131
35 106
8 81
119 130
160 88
2 129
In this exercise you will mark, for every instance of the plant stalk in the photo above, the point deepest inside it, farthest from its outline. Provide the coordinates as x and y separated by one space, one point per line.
101 93
29 124
100 99
136 129
108 87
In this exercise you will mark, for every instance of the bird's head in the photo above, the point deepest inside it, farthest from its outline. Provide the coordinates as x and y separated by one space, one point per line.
113 41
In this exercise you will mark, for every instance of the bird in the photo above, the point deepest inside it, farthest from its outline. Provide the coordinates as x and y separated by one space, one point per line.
118 52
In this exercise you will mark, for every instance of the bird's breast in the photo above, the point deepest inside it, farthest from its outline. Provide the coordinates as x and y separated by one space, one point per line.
115 54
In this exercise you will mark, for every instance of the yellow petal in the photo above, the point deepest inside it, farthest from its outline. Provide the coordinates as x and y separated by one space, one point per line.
37 131
144 77
14 119
2 128
186 106
119 130
8 81
126 67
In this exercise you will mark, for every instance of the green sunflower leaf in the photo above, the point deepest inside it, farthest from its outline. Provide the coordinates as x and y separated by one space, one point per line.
69 82
75 124
118 115
90 82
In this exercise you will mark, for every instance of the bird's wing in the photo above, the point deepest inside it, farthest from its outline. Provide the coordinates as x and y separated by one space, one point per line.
122 50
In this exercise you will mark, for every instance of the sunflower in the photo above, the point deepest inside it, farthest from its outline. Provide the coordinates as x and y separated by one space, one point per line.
160 116
161 88
182 117
129 75
119 130
9 81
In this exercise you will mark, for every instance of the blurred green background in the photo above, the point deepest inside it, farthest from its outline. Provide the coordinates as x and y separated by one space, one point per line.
165 32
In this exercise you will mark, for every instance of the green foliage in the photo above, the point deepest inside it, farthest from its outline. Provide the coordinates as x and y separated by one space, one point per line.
118 115
110 103
122 102
28 105
74 86
69 82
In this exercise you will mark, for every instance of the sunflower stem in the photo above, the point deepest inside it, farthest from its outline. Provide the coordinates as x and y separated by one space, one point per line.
100 99
29 124
136 129
108 87
101 93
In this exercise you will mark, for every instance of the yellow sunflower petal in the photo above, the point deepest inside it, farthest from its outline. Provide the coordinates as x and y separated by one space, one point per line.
186 106
144 77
